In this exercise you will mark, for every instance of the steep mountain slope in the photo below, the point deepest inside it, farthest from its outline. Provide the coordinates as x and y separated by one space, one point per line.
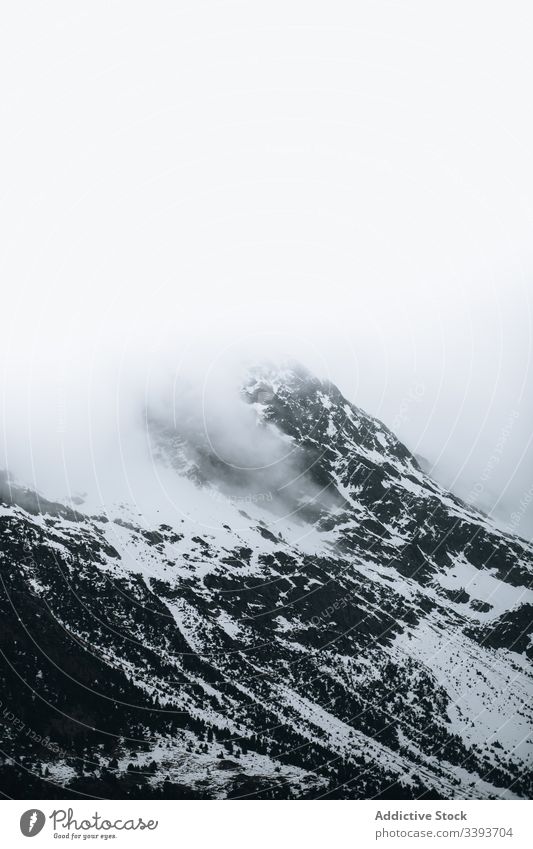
324 622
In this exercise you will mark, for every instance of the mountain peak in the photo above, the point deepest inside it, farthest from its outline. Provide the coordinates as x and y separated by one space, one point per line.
271 377
320 620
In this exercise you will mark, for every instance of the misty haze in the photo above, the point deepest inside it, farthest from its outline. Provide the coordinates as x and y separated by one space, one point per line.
266 490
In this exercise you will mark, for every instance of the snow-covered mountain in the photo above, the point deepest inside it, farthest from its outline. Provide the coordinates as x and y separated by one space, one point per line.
288 608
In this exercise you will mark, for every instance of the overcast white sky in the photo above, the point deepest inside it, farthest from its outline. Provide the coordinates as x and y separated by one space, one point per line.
351 182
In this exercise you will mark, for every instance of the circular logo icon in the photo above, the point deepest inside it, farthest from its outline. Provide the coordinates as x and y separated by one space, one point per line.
32 822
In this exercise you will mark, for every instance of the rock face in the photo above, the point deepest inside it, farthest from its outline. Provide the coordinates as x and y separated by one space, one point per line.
327 622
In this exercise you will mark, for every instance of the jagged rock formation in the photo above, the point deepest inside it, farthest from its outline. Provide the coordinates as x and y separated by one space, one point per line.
326 623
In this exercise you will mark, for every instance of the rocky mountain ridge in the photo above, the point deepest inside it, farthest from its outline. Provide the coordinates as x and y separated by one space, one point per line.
325 623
